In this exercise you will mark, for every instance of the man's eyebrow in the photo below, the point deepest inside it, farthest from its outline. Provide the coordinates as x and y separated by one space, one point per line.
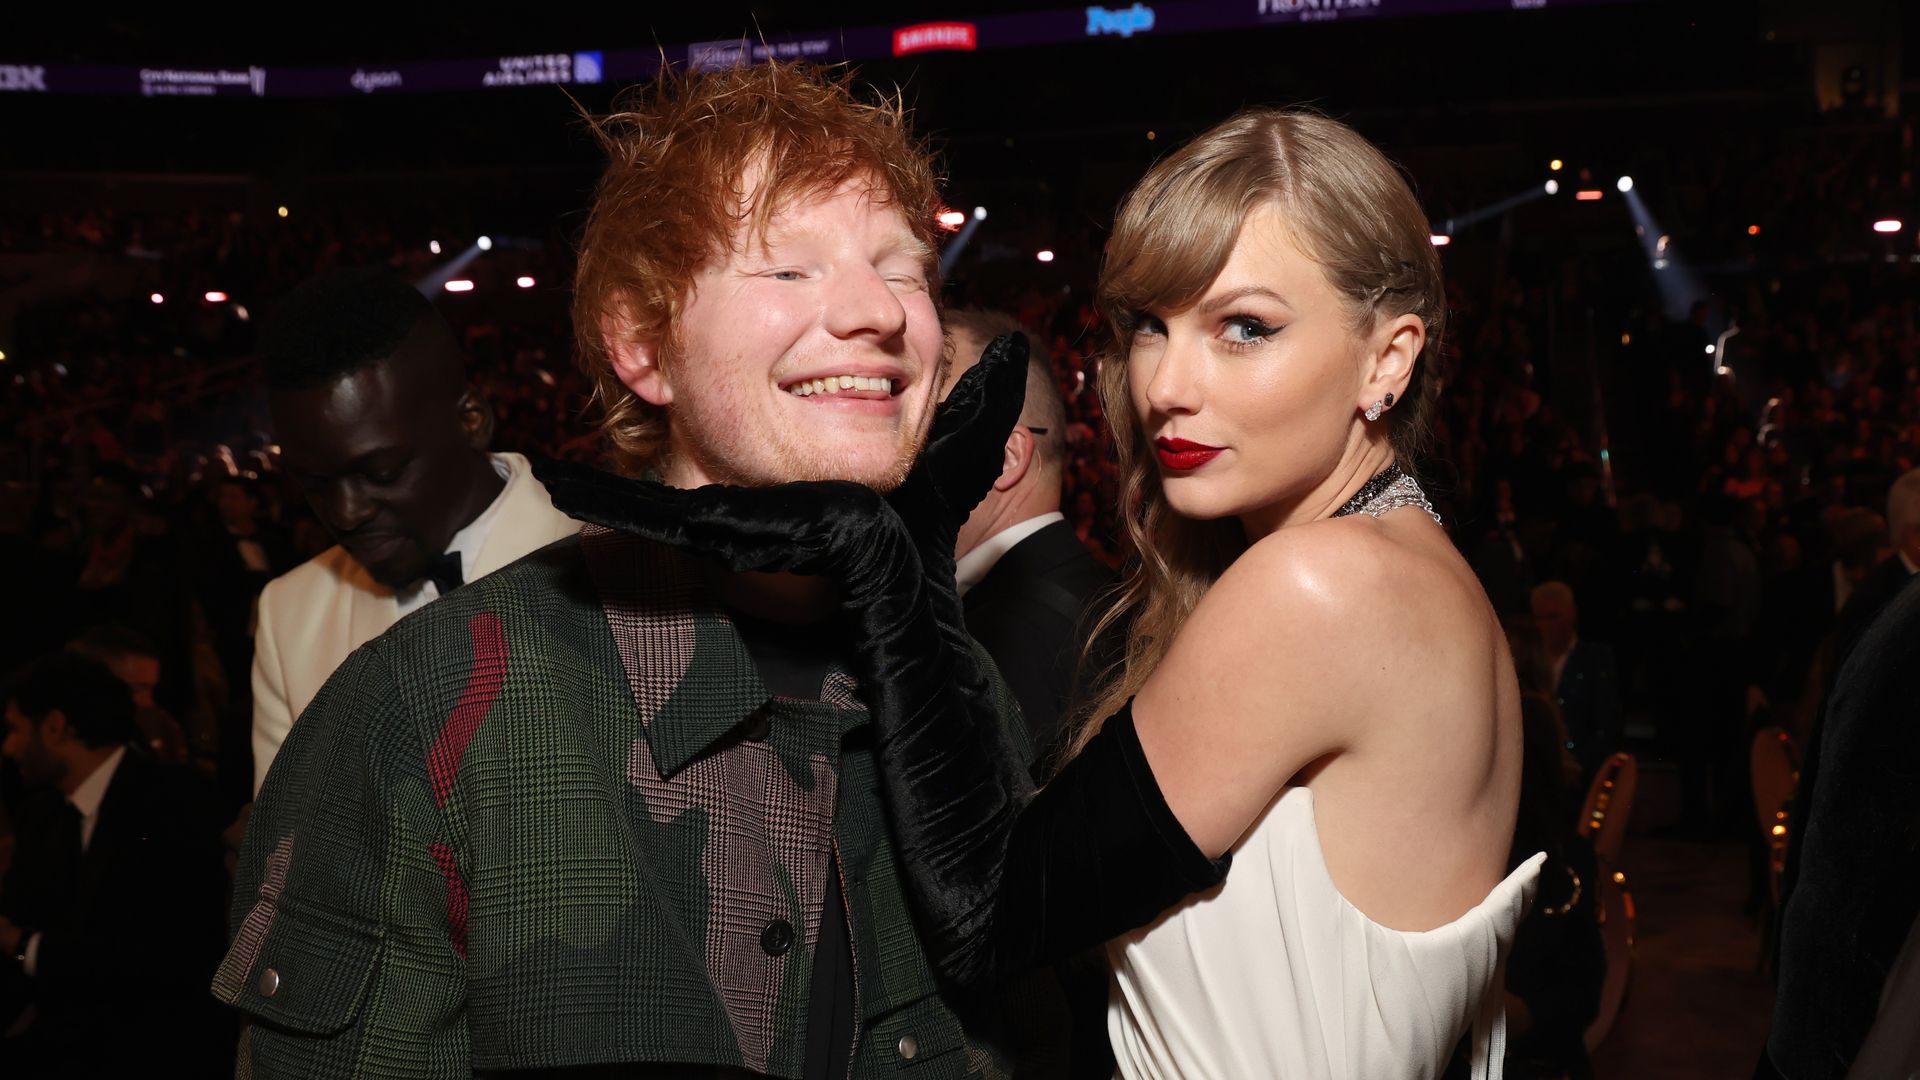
357 462
912 245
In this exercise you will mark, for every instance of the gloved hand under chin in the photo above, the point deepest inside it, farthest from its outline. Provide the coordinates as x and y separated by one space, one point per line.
1098 853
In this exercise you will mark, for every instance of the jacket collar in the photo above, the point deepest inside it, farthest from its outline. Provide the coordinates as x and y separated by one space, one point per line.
692 680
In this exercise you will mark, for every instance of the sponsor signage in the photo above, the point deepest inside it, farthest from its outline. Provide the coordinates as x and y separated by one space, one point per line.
190 82
28 78
539 70
722 54
936 36
1313 10
1125 22
1055 26
368 81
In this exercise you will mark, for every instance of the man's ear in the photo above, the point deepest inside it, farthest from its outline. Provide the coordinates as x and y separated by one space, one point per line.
53 728
636 360
1016 459
476 418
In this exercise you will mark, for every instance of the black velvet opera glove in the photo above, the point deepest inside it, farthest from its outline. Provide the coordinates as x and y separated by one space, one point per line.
1001 881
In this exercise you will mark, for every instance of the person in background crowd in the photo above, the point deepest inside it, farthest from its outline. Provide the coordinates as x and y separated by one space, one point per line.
380 428
1025 577
110 909
1585 681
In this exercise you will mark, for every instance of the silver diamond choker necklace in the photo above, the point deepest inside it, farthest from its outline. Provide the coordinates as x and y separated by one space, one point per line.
1390 489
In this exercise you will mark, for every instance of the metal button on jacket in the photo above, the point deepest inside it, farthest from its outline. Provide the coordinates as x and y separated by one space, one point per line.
269 982
777 938
909 1047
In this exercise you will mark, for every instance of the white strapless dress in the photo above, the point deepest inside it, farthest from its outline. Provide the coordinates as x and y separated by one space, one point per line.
1275 974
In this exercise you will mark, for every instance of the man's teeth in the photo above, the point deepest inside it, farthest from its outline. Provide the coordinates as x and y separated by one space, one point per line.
833 384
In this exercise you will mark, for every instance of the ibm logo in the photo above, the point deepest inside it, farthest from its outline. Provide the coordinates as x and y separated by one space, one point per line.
13 77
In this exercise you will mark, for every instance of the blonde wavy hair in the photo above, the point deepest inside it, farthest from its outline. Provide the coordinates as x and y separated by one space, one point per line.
1355 215
682 152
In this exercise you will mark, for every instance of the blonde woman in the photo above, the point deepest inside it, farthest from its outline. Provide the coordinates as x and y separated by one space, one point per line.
1315 688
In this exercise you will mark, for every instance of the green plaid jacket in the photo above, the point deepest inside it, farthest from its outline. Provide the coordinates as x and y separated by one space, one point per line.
555 819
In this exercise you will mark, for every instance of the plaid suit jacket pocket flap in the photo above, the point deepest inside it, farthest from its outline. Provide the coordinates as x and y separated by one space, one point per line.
311 973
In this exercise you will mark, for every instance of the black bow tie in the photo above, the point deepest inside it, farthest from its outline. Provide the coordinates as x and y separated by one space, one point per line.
445 574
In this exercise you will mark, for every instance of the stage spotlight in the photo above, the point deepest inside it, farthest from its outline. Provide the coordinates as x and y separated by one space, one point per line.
3 356
157 298
1626 339
459 285
1625 184
524 281
1044 255
240 312
433 246
1589 195
979 213
216 297
1152 136
1753 230
283 211
952 219
1553 187
1887 225
1440 239
1555 165
485 243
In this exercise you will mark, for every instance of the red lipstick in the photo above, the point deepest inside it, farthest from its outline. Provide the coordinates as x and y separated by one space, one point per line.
1180 455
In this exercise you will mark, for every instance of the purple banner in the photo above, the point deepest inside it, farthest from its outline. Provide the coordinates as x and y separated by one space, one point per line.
1056 27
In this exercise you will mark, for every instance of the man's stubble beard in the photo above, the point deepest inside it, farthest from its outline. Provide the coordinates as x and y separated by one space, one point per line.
792 466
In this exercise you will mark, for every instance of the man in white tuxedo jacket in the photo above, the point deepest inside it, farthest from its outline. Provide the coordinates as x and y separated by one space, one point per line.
378 424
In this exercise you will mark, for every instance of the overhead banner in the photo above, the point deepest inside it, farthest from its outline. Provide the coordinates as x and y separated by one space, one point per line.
1116 23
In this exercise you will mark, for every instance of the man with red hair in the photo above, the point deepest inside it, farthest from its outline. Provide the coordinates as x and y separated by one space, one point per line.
614 805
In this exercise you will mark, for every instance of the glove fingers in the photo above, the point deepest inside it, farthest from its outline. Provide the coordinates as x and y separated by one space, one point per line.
786 527
987 398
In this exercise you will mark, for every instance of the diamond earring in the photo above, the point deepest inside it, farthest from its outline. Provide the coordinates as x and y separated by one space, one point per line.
1374 410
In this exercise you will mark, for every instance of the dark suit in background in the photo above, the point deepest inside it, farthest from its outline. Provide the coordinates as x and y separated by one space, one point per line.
131 930
1589 698
1859 880
1031 613
1869 599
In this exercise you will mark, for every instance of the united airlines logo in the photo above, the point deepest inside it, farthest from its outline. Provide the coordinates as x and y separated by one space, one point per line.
531 70
1125 22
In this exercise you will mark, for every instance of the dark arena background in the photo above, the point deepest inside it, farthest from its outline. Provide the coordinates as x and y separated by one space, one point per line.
1682 373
